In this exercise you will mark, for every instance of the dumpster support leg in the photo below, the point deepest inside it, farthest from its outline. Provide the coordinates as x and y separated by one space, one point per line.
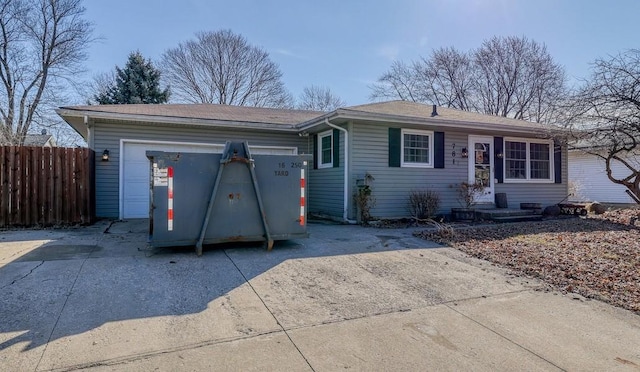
212 199
263 214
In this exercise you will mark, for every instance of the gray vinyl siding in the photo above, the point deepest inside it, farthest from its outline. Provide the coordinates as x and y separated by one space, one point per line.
108 136
392 185
544 193
369 153
326 186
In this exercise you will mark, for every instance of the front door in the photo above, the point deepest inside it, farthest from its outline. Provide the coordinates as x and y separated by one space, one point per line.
481 166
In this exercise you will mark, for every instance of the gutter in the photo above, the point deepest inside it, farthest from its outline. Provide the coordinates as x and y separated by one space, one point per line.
66 113
346 171
439 121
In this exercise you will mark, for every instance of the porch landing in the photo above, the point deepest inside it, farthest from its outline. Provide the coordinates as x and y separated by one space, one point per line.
508 215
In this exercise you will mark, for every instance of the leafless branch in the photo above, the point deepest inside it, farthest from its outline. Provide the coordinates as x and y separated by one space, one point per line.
42 43
319 99
221 67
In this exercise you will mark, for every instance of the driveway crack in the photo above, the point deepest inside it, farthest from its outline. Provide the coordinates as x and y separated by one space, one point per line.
24 276
523 347
55 325
270 312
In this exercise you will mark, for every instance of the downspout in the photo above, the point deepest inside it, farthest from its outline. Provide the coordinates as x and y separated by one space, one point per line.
346 170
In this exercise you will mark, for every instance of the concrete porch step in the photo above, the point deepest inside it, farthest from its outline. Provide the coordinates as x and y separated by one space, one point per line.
488 214
523 218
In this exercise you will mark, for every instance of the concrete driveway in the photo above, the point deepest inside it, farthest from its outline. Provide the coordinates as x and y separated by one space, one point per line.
346 298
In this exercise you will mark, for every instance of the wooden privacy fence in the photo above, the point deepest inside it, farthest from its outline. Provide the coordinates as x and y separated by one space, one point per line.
46 186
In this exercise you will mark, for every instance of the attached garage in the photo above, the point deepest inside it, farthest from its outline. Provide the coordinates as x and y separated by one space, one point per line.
128 131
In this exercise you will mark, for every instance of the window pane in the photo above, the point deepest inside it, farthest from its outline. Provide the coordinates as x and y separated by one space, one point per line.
326 150
416 148
540 151
515 159
540 162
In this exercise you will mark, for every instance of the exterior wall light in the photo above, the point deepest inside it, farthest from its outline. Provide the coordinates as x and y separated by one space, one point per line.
465 153
105 155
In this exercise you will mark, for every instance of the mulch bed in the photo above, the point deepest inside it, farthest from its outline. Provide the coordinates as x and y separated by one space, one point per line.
597 257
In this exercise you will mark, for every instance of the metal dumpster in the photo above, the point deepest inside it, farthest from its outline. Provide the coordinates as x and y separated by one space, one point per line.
201 198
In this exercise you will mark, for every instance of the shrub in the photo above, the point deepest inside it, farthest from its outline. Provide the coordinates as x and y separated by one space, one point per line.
365 202
364 199
423 204
468 192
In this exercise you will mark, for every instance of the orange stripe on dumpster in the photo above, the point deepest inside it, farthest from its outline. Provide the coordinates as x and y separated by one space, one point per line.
170 199
302 201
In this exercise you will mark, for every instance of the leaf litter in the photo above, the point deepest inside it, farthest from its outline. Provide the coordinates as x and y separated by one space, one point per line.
597 257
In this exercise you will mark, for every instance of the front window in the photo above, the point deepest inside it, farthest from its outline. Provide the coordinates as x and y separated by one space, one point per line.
527 160
325 149
417 148
540 161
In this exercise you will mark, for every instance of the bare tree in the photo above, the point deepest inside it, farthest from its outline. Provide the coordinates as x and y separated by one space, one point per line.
319 99
447 75
42 45
512 77
516 77
400 82
221 67
605 114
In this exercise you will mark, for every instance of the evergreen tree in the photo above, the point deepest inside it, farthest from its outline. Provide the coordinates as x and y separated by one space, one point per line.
137 82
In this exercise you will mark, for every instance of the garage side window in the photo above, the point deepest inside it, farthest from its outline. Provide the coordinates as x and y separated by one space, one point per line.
325 149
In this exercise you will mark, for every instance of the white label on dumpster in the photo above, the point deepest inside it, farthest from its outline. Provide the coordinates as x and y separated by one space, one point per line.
160 177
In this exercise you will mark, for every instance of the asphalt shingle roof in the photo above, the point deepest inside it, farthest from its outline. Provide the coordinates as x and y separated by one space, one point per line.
422 111
36 139
206 112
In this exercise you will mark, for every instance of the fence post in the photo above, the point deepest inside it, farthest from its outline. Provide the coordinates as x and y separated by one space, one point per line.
4 186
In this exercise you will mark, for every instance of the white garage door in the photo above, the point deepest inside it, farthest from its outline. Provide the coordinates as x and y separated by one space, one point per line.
135 173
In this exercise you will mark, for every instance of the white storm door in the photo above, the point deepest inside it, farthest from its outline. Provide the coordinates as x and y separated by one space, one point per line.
481 166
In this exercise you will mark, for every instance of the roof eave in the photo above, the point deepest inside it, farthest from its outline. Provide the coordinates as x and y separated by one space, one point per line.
76 122
458 124
76 118
306 125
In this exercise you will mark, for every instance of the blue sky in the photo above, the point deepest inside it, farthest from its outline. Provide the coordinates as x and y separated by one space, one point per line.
346 45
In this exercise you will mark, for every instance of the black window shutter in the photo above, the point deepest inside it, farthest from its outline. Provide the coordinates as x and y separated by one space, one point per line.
315 151
336 148
394 147
438 149
498 148
557 162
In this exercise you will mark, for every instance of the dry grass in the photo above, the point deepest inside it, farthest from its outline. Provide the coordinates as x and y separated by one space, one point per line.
597 257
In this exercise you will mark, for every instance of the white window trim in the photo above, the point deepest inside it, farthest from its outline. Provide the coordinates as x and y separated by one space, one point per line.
528 179
321 135
404 164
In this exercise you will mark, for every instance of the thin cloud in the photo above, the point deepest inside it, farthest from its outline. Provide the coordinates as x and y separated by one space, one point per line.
389 52
289 53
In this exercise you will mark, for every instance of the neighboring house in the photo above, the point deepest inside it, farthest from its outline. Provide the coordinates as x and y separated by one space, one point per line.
588 179
40 140
403 146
